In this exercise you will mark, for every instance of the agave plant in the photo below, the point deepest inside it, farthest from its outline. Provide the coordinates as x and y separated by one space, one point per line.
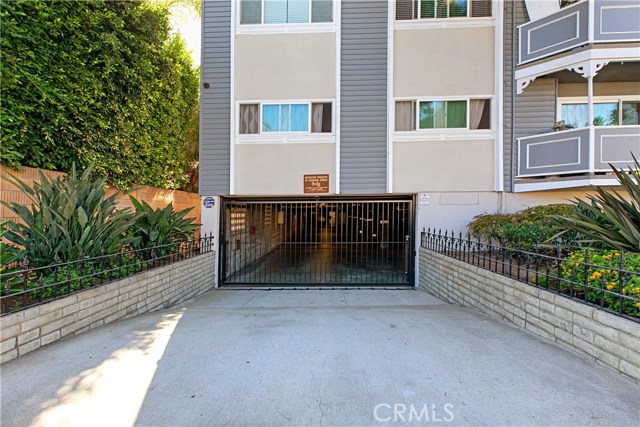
161 226
8 254
608 217
69 217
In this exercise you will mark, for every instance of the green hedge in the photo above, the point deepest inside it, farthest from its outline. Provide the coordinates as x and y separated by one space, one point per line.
525 229
97 82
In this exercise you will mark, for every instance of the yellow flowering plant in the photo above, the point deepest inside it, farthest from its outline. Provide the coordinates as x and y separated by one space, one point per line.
607 277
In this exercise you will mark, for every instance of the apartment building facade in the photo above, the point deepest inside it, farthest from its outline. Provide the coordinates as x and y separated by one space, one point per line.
332 132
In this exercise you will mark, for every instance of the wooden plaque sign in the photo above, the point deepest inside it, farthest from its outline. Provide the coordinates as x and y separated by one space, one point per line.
315 184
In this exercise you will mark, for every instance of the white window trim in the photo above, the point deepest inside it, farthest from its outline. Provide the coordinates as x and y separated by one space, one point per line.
560 101
286 137
426 23
316 27
294 28
440 131
438 135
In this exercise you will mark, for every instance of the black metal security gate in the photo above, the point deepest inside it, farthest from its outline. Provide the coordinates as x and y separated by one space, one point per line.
327 241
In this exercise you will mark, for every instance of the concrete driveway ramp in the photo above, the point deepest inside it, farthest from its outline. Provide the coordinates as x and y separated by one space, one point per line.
312 358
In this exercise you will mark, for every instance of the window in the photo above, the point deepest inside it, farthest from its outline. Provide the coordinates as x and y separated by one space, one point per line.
428 9
455 114
405 115
285 118
285 11
577 115
303 117
442 114
609 113
321 117
480 114
249 119
631 112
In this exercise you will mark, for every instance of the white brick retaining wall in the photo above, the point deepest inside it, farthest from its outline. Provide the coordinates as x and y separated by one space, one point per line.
161 287
608 339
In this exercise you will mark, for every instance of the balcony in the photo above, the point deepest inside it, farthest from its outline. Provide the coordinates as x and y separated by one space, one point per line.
575 158
588 22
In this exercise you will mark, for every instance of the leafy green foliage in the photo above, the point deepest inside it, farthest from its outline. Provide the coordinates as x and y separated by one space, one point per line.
98 82
70 217
161 226
60 281
8 254
604 280
525 229
67 229
609 218
191 5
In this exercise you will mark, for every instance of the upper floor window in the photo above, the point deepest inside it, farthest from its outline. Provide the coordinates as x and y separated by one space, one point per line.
449 114
285 118
428 9
609 113
285 11
314 117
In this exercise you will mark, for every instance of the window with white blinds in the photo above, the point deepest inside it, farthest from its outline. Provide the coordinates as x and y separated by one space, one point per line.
438 9
285 11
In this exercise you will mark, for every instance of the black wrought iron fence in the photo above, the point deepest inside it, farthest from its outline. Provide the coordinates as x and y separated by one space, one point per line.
606 279
23 286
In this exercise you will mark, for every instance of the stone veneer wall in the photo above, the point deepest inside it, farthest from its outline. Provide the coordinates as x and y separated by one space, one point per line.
161 287
608 339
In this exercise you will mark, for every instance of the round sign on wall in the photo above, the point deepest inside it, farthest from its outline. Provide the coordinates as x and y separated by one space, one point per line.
209 202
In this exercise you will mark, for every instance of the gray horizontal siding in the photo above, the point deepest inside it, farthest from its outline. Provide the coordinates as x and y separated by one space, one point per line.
215 102
510 49
363 100
536 108
535 111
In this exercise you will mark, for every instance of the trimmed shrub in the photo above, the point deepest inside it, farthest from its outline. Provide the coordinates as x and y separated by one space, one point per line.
98 82
525 229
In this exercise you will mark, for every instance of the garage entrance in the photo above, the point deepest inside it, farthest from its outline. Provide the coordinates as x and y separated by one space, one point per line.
325 241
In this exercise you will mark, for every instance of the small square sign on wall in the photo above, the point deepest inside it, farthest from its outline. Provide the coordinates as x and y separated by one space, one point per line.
316 184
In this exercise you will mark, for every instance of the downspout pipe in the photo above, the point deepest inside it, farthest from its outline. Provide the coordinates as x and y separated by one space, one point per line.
514 148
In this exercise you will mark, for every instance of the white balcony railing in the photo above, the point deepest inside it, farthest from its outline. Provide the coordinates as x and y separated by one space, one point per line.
584 150
583 23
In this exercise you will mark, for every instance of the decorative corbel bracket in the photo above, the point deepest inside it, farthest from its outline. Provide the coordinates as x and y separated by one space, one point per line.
523 83
588 68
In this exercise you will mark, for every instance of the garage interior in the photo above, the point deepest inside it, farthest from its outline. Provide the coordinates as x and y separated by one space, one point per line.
320 241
